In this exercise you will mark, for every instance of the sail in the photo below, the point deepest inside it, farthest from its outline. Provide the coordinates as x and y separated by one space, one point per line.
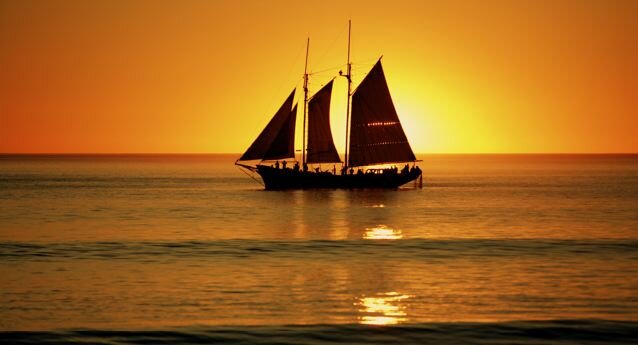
321 147
283 146
376 135
276 141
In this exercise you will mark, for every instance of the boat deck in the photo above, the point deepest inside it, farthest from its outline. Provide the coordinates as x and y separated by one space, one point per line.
288 178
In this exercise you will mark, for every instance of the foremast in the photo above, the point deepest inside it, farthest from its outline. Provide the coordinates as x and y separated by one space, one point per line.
305 105
348 76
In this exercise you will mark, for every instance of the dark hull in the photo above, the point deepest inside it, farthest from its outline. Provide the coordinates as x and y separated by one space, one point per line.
290 179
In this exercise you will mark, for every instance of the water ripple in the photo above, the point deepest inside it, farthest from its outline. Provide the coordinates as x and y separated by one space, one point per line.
520 332
395 249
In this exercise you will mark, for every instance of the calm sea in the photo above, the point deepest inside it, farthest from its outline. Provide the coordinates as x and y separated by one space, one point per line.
121 249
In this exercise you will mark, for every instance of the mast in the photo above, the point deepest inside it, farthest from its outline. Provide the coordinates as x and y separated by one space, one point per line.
305 104
349 77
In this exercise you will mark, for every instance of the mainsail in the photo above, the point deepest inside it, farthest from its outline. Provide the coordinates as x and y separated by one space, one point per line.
376 135
277 140
321 147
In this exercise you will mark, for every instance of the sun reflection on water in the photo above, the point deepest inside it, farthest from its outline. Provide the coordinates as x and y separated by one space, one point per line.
382 232
383 309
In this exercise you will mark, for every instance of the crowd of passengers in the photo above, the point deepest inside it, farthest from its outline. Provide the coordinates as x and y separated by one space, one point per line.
351 171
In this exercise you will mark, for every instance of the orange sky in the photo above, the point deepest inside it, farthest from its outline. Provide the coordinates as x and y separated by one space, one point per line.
206 76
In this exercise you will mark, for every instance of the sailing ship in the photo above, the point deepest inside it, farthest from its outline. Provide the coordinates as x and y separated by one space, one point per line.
375 140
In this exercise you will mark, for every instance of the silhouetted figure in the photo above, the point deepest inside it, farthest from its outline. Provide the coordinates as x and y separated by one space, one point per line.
334 169
317 170
305 167
351 171
277 165
283 163
406 169
296 167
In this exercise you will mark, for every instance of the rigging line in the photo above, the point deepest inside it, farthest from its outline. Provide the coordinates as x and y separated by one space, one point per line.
327 70
366 62
367 66
242 169
331 47
292 77
321 87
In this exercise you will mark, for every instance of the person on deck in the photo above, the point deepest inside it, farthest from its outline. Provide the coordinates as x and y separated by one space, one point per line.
277 165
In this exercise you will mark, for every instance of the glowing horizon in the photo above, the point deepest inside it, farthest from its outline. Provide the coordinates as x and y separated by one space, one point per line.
205 77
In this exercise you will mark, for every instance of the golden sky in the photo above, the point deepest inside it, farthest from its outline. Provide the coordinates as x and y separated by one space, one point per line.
206 76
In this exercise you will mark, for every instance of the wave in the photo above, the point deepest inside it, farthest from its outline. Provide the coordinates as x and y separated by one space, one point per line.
419 249
518 332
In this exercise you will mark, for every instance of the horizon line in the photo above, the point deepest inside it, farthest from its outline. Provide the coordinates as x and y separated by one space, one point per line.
239 153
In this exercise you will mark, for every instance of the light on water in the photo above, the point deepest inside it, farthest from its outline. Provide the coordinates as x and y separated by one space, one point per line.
383 309
382 232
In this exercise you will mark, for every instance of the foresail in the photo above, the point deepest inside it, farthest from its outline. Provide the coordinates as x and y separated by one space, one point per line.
321 147
276 141
376 135
284 144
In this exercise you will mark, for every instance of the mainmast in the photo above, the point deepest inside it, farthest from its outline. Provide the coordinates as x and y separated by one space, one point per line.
348 75
305 104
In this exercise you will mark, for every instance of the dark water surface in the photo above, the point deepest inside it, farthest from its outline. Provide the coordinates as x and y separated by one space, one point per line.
530 332
187 249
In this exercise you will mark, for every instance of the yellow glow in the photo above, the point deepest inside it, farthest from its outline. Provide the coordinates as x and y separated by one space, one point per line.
385 309
206 76
382 232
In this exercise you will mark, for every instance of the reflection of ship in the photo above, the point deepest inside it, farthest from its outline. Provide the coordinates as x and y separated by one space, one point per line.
374 133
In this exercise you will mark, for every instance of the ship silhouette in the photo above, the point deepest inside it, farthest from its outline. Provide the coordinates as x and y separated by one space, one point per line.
375 140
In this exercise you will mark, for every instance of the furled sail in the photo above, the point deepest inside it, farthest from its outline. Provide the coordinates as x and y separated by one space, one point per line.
321 147
376 135
277 140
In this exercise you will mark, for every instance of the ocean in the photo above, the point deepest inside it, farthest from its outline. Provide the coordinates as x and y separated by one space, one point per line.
187 249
